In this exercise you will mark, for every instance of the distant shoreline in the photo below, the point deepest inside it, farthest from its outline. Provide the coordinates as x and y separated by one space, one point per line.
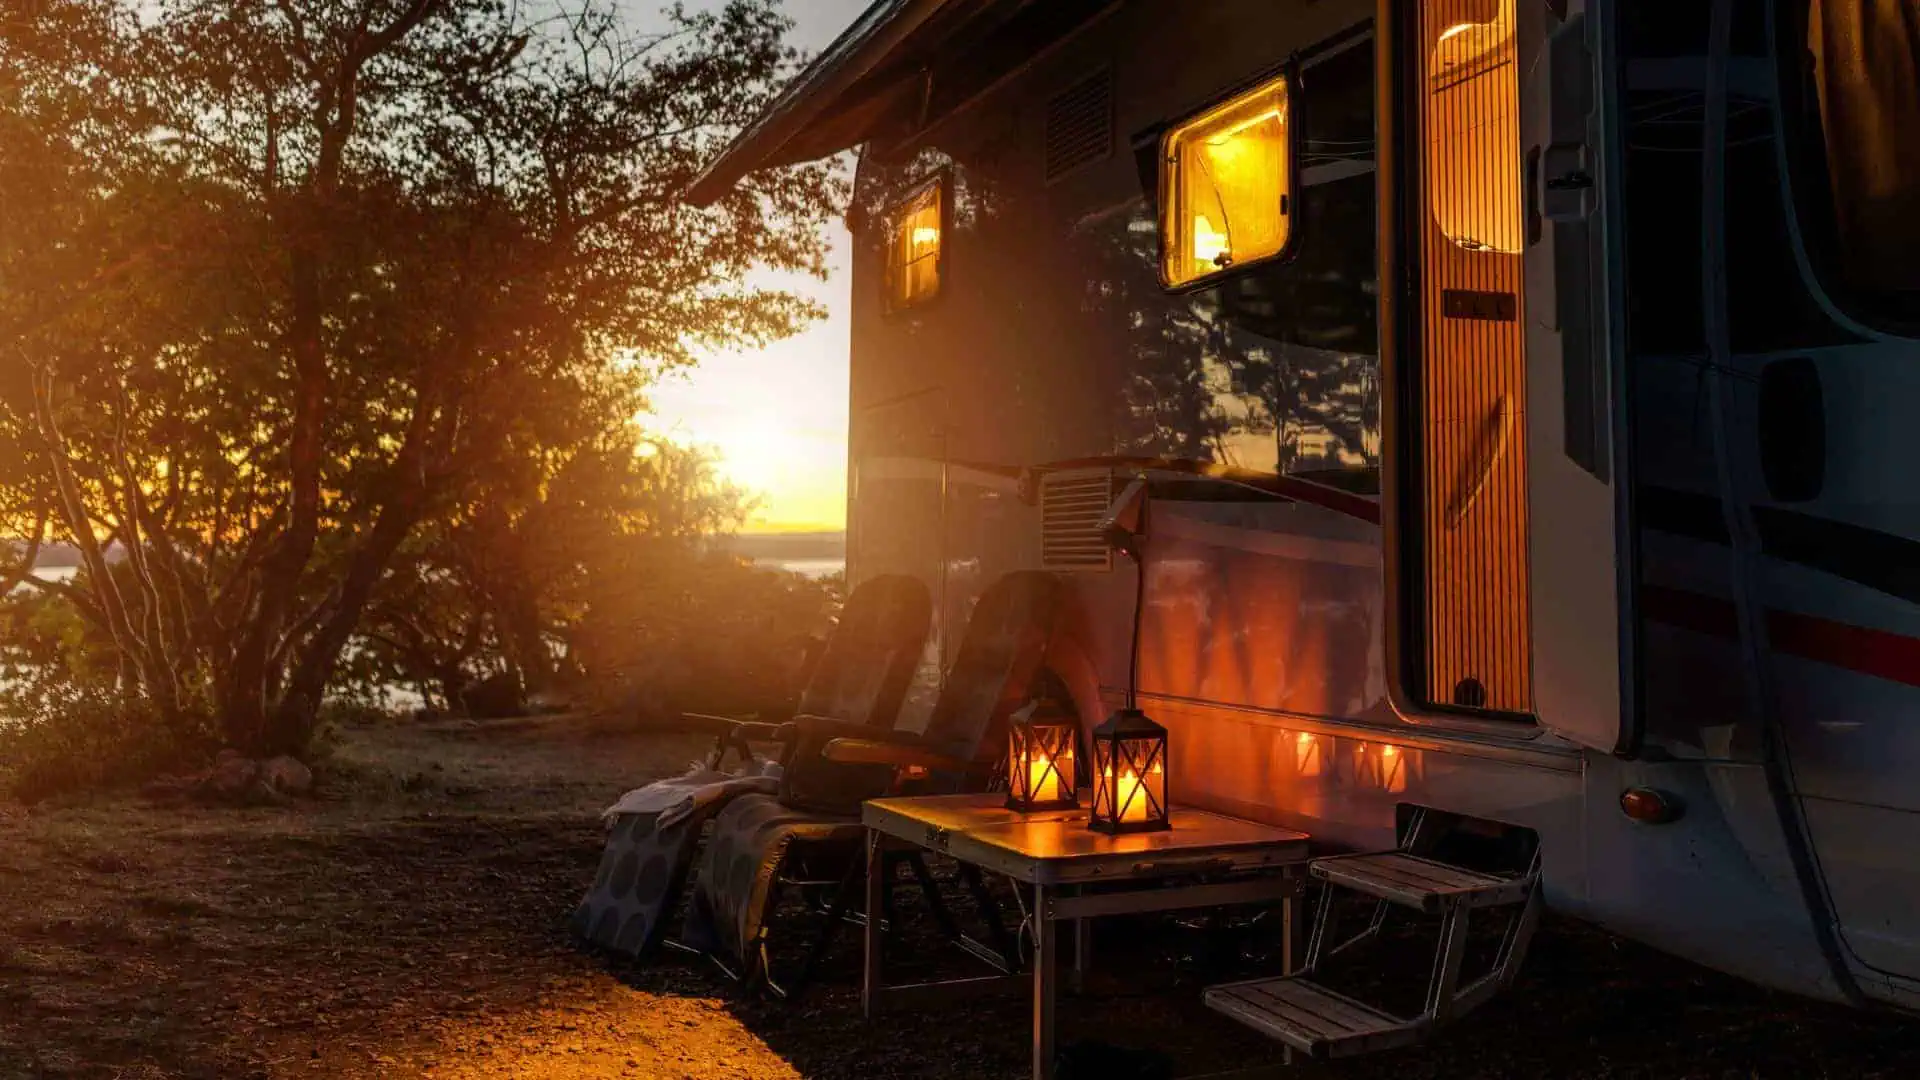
769 547
787 547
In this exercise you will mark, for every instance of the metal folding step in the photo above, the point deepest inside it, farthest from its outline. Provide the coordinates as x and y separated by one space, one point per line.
1316 1021
1322 1023
1422 884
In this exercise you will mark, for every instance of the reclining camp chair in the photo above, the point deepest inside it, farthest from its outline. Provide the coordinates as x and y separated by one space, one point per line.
809 835
860 680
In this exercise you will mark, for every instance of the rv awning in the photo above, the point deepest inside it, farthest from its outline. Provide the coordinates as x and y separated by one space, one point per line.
865 75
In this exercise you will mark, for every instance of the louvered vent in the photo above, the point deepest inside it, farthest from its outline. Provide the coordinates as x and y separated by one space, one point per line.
1080 125
1071 506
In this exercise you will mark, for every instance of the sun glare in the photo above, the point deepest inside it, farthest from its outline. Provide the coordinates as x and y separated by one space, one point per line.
756 456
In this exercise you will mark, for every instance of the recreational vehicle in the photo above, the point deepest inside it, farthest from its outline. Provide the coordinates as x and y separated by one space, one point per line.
1516 400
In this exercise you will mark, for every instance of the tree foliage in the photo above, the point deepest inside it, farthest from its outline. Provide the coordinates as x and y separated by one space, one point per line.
299 292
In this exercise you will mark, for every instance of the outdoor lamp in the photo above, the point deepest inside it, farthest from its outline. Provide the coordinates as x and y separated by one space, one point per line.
1041 772
1129 775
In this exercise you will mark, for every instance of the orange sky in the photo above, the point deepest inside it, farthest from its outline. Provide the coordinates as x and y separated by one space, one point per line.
777 417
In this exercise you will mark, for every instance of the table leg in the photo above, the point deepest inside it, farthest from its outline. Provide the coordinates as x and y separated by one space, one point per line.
1045 950
876 884
1082 954
1290 937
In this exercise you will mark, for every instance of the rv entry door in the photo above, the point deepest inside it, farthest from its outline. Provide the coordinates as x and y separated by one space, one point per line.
1505 502
1573 393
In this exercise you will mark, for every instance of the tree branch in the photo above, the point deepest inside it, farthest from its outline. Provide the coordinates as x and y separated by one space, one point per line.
11 580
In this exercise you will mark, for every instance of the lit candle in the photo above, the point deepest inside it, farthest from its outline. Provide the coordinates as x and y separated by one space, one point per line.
1132 793
1133 802
1043 781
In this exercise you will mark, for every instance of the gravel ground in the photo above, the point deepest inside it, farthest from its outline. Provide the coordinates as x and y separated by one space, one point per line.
410 922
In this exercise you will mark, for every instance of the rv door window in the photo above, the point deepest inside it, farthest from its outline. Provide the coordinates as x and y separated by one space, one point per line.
1224 181
1862 74
1473 142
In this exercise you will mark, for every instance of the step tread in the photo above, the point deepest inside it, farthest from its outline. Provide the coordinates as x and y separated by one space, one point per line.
1311 1018
1421 883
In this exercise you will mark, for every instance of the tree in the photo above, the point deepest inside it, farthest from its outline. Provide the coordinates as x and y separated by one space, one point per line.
314 275
503 585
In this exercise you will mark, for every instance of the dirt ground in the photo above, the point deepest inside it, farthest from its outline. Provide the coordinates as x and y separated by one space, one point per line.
410 921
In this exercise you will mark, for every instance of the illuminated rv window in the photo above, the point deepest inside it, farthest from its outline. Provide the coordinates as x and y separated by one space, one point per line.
1224 180
914 247
1473 138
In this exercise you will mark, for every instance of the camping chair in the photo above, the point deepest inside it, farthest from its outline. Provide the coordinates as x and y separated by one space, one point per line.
764 845
861 679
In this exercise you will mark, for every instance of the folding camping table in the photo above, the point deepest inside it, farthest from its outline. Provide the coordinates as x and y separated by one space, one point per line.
1075 874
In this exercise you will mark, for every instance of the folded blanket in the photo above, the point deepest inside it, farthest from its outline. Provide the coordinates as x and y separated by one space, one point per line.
679 796
734 891
652 834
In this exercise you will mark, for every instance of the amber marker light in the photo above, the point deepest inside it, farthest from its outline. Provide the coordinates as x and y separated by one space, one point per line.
1649 807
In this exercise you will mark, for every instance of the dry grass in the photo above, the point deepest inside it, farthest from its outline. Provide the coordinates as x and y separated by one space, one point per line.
410 922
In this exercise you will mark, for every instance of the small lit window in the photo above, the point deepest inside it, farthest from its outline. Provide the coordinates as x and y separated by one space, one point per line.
1224 180
914 247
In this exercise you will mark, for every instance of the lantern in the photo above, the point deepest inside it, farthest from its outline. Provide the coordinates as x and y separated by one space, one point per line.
1041 771
1129 774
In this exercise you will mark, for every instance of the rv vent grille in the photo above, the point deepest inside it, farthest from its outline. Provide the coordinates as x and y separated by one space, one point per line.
1080 125
1071 506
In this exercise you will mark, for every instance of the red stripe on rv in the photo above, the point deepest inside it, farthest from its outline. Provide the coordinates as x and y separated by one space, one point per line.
1883 655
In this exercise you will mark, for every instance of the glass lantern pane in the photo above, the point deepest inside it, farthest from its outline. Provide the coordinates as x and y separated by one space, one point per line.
1059 751
1103 786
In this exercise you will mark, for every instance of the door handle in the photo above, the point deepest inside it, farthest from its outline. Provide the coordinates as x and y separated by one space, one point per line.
1502 427
1565 173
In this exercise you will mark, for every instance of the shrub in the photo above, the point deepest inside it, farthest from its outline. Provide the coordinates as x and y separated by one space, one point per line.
699 632
85 738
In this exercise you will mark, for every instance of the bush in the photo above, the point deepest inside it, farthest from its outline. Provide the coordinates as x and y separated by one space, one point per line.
78 738
701 633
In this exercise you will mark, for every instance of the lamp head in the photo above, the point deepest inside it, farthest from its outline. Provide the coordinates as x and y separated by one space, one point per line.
1125 522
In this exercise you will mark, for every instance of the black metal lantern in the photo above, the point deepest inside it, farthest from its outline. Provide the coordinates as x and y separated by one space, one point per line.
1129 774
1041 770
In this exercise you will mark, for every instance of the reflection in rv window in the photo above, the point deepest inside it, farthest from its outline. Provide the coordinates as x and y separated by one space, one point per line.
1276 368
1863 59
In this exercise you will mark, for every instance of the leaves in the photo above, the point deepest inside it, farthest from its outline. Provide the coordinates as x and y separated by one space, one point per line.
288 284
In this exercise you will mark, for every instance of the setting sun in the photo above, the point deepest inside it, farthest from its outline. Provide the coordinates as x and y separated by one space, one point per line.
775 418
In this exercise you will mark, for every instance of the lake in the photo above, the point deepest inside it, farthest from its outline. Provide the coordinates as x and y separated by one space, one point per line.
813 568
51 573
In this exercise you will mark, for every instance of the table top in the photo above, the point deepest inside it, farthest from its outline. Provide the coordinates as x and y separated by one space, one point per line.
1057 848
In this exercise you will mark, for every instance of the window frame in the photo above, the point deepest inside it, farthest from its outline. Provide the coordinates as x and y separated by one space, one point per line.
1288 75
940 181
1801 132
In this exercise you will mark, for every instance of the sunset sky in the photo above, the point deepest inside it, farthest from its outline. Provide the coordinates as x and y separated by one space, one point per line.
777 417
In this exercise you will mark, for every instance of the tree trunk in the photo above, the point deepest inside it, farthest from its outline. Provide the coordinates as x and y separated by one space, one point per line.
525 637
294 719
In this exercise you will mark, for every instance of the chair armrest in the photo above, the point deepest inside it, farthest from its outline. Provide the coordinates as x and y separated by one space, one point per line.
897 754
706 723
758 731
736 730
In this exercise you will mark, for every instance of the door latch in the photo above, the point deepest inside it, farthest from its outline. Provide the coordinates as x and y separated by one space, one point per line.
1577 180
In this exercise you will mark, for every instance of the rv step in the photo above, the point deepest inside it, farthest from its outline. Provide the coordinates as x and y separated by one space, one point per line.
1421 884
1312 1019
